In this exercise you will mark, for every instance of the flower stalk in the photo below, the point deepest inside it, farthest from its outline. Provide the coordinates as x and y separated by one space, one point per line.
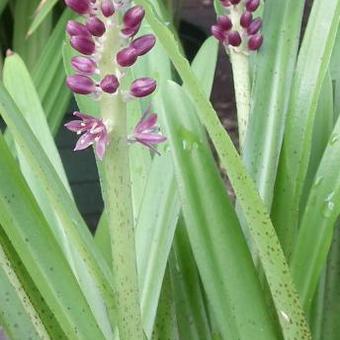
108 46
240 34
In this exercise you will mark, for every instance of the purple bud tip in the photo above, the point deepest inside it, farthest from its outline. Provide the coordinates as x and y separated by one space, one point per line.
127 56
142 87
252 5
84 65
224 22
79 6
80 84
133 16
246 19
109 84
219 33
255 42
107 8
143 44
234 38
76 28
95 26
130 31
254 26
83 44
234 2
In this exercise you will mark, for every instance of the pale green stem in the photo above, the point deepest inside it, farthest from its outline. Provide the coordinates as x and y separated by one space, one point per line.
116 188
240 65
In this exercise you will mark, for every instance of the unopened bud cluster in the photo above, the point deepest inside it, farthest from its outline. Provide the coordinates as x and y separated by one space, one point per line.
238 28
88 38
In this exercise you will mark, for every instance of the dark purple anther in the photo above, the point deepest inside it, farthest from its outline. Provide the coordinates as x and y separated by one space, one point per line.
79 6
81 84
234 38
142 87
234 2
254 26
224 22
83 44
84 65
109 84
107 8
133 16
143 44
255 42
246 19
95 26
126 57
130 31
219 33
76 28
252 5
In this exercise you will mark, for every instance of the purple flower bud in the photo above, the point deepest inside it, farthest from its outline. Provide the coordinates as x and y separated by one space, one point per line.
252 5
109 84
224 22
255 42
234 2
254 26
83 44
76 28
133 16
81 84
142 87
79 6
143 44
84 65
107 8
127 56
95 26
130 31
234 38
219 33
246 19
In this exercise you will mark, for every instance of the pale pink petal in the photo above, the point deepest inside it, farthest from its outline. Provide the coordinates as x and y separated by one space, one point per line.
146 123
150 138
101 147
76 126
84 116
84 141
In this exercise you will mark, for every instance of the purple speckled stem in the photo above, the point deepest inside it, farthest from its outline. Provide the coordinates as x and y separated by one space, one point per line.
116 188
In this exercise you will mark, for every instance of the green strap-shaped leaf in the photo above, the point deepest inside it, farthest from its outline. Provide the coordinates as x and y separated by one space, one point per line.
274 69
262 230
29 48
310 71
64 207
42 256
220 251
17 315
46 316
43 9
191 313
316 228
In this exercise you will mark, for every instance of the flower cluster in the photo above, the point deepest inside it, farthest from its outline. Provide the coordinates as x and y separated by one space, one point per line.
238 29
88 38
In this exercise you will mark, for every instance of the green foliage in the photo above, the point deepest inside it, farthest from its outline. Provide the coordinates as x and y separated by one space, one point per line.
195 264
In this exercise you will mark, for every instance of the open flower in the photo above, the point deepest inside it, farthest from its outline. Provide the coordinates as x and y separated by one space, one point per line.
93 130
147 132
